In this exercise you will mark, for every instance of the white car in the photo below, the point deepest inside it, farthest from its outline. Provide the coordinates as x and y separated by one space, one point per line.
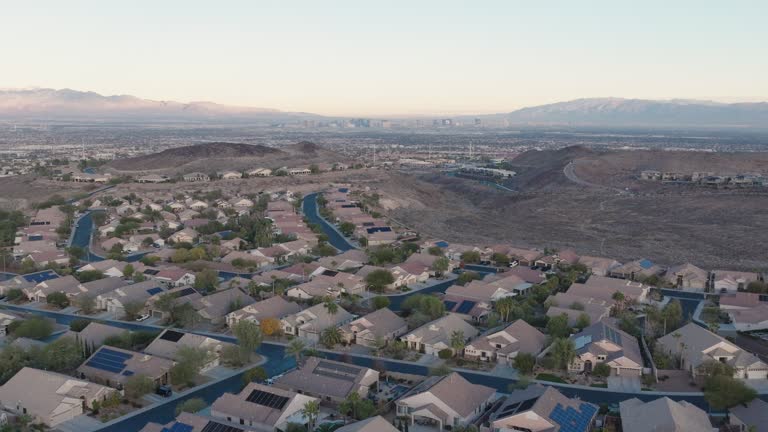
143 317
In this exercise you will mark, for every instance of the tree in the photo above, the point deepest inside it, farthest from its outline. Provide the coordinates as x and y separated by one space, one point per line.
34 328
501 260
58 299
558 327
189 362
601 370
440 266
380 302
206 280
563 352
378 280
138 386
356 407
133 309
524 363
128 270
757 287
248 335
672 315
470 257
723 392
78 324
191 406
458 341
331 306
14 294
505 307
234 356
467 277
86 303
270 326
310 412
428 305
436 251
90 275
712 368
295 348
583 321
347 228
330 337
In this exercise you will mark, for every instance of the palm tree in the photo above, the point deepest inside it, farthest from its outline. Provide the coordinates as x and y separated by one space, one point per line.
331 306
349 406
504 307
310 412
295 348
330 337
563 352
458 341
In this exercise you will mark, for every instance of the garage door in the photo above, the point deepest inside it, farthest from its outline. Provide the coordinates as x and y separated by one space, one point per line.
757 374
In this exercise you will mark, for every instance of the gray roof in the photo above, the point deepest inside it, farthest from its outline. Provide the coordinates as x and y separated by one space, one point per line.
608 331
663 415
239 406
456 392
324 377
754 413
373 424
696 339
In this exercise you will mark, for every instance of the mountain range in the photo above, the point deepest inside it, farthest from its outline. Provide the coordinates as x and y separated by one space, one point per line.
66 104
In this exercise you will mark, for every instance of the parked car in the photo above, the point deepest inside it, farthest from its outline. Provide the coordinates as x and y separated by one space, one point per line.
164 391
143 317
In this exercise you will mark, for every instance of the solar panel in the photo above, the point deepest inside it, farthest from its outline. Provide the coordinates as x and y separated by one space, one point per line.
466 306
449 305
108 360
213 426
571 420
267 399
186 292
330 273
172 336
127 373
153 291
151 272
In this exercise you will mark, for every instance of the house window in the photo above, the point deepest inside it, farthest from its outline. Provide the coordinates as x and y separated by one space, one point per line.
482 354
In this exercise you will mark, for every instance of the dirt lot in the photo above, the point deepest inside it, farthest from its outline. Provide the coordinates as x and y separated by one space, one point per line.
21 192
712 229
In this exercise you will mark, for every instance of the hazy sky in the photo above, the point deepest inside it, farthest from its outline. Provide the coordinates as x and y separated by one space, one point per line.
389 57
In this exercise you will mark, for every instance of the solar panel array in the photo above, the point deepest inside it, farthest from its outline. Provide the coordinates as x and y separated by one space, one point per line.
213 426
153 291
267 399
41 276
571 420
172 336
466 306
109 360
378 229
178 427
449 305
185 292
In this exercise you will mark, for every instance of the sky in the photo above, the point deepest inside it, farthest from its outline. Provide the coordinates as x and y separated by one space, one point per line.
389 58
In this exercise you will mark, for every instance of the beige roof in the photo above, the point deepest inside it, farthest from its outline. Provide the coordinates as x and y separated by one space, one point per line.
662 415
516 337
598 264
373 424
603 288
237 405
440 330
698 340
545 401
324 377
140 364
273 307
165 346
95 333
217 304
692 276
456 392
45 394
376 324
607 331
316 318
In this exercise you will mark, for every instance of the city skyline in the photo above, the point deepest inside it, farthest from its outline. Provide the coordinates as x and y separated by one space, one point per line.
343 58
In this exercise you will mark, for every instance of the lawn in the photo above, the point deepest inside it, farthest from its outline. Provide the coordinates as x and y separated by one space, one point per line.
550 378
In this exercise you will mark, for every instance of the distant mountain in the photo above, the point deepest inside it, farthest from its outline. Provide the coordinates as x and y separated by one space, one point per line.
69 104
639 112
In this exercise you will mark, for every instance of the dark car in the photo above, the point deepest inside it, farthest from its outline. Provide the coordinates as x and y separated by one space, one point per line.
164 391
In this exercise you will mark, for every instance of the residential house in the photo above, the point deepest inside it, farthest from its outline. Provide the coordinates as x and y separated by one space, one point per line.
215 307
94 335
260 172
273 307
752 415
541 409
351 259
604 288
687 277
731 281
401 276
574 306
113 366
373 424
604 342
382 326
504 345
115 301
187 235
168 343
329 380
448 401
435 336
696 345
50 398
109 267
636 270
663 414
188 422
65 284
262 407
196 177
174 277
747 311
310 323
599 266
231 175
